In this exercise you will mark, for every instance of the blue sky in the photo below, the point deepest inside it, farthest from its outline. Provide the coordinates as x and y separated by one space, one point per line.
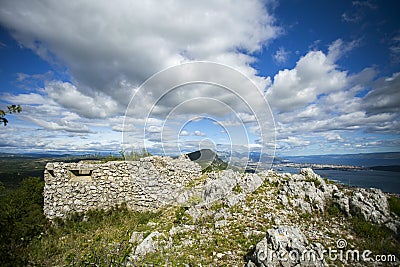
329 70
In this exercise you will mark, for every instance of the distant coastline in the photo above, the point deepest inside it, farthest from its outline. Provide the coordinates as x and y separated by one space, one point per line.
318 166
390 168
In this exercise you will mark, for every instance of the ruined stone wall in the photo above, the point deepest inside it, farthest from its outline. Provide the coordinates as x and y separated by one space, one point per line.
143 185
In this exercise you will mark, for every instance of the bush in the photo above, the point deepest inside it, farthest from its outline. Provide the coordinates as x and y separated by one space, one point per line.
377 238
181 217
316 182
21 219
333 209
394 205
237 188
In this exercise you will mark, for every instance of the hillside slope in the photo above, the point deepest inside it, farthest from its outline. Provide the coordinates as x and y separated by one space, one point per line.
233 219
208 160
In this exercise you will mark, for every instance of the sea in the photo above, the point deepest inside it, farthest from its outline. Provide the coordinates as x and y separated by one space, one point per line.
387 181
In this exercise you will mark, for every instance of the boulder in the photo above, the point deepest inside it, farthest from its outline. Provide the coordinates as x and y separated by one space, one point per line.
371 204
251 182
308 191
220 187
286 246
136 237
342 201
148 245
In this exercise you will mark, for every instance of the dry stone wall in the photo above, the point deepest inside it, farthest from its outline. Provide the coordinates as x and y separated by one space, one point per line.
146 184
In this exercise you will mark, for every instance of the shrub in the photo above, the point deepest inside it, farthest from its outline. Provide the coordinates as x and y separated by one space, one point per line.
377 238
394 205
181 217
333 209
237 188
316 182
305 216
21 219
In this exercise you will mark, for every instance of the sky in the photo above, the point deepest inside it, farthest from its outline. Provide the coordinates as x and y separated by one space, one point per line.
291 77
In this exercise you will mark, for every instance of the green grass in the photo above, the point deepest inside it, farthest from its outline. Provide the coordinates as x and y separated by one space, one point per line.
237 188
376 238
98 238
197 181
21 220
316 182
394 205
333 209
305 216
181 217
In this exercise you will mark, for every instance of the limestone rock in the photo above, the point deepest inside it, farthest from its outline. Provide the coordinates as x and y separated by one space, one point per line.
233 199
149 244
342 201
371 203
220 187
136 237
250 182
285 246
308 191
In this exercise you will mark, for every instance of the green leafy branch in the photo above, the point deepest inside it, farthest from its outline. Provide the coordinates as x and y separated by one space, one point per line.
10 110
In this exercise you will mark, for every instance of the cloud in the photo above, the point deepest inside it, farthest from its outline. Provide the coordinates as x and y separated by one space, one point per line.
318 103
25 99
315 74
246 117
358 12
385 96
121 128
60 125
333 137
339 48
111 48
395 48
281 56
67 95
294 141
354 18
367 4
154 129
199 133
184 133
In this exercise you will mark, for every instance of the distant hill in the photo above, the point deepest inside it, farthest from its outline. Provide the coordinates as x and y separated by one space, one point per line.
208 160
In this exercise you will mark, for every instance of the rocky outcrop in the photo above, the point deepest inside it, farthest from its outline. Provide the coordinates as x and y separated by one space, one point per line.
286 246
230 186
309 193
219 185
306 190
371 204
148 245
